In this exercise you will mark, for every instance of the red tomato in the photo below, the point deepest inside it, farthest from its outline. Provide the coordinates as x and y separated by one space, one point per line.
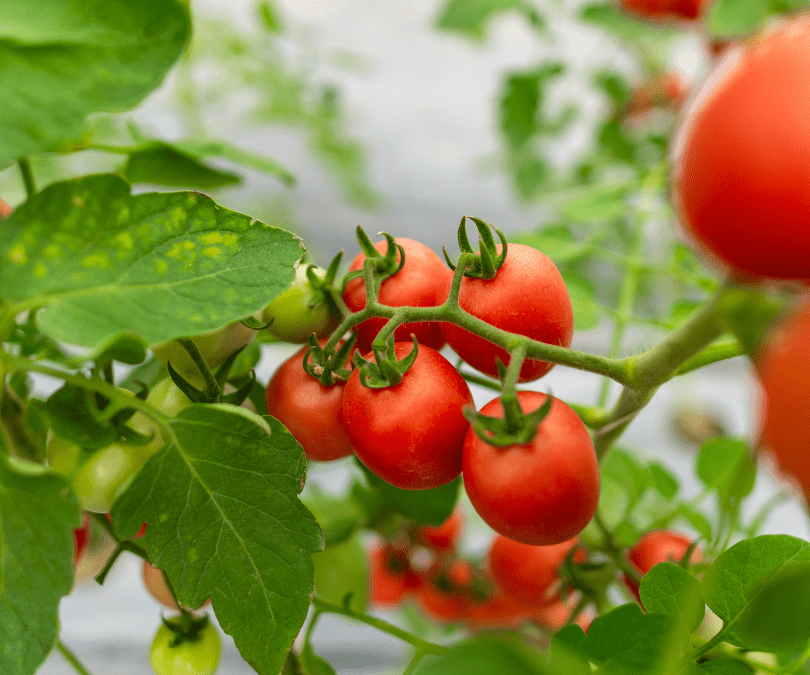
423 281
656 547
664 9
667 89
442 537
391 577
5 209
311 412
529 573
411 434
784 372
527 296
542 492
498 611
81 537
556 615
741 165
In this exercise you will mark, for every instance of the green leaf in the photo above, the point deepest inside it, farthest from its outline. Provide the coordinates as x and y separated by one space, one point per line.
760 588
70 58
521 101
125 347
557 242
270 16
566 650
601 203
471 16
225 522
723 666
314 664
625 641
583 301
669 589
749 314
485 656
74 418
697 520
159 163
338 515
340 570
425 507
624 469
735 18
225 150
663 480
37 517
166 265
726 465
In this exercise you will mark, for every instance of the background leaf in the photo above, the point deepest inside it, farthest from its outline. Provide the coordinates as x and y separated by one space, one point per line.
669 589
230 490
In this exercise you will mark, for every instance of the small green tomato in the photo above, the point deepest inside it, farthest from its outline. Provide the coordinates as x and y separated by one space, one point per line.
295 320
172 654
214 347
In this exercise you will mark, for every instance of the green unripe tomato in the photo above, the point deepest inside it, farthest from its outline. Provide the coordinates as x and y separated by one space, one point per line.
294 319
166 396
198 656
214 347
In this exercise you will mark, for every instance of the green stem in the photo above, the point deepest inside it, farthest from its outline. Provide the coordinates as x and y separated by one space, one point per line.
706 647
28 176
70 657
423 645
212 388
798 663
417 657
121 546
712 354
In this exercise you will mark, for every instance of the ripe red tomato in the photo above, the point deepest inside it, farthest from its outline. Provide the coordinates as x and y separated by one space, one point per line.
543 492
499 610
390 577
442 537
784 373
664 9
656 547
741 169
411 434
312 412
156 585
423 281
444 594
81 537
530 573
526 296
556 615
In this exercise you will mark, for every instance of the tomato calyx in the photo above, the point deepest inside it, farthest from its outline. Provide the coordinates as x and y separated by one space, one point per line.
185 628
514 428
383 265
485 265
214 381
326 364
386 370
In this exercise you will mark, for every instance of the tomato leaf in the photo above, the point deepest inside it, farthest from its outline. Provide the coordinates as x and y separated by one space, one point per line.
760 588
726 465
160 163
339 570
71 58
426 507
224 522
484 656
73 417
735 18
662 480
721 666
472 16
37 517
166 265
314 664
669 589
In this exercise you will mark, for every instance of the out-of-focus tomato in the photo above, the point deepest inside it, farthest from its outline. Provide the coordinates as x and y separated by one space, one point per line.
441 537
656 547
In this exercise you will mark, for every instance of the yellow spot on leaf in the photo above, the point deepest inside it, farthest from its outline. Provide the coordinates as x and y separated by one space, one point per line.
212 251
78 201
52 251
161 266
230 240
211 238
196 318
18 254
188 244
97 260
40 271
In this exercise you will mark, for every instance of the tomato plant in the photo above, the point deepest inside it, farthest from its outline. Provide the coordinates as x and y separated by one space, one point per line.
311 411
296 314
656 547
173 653
411 434
526 296
423 281
543 492
741 159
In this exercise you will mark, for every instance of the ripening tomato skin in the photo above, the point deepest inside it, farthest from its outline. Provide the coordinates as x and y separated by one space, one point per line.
423 281
783 368
442 537
81 537
526 296
312 412
498 611
528 573
390 577
664 9
411 434
556 615
543 492
294 320
741 171
656 547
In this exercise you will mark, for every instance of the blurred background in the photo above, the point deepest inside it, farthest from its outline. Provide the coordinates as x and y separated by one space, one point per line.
549 119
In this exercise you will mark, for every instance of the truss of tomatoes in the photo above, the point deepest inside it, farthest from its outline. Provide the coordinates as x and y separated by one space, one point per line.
415 434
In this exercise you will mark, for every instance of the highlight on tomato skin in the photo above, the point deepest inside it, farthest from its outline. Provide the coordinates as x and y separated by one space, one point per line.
783 369
739 159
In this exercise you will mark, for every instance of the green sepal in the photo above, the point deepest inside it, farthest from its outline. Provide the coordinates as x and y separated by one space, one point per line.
489 261
326 365
386 370
494 431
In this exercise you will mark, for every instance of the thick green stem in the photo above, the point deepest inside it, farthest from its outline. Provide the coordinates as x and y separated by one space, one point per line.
212 388
27 176
423 645
70 657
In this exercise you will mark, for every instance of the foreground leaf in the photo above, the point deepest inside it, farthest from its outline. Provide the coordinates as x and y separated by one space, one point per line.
225 522
37 517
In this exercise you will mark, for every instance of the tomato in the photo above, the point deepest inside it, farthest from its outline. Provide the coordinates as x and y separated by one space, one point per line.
191 656
529 573
656 547
444 594
81 537
542 492
423 281
667 89
499 610
167 397
664 9
215 347
156 585
741 170
442 537
390 577
410 435
784 373
556 615
294 317
5 209
526 296
311 412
